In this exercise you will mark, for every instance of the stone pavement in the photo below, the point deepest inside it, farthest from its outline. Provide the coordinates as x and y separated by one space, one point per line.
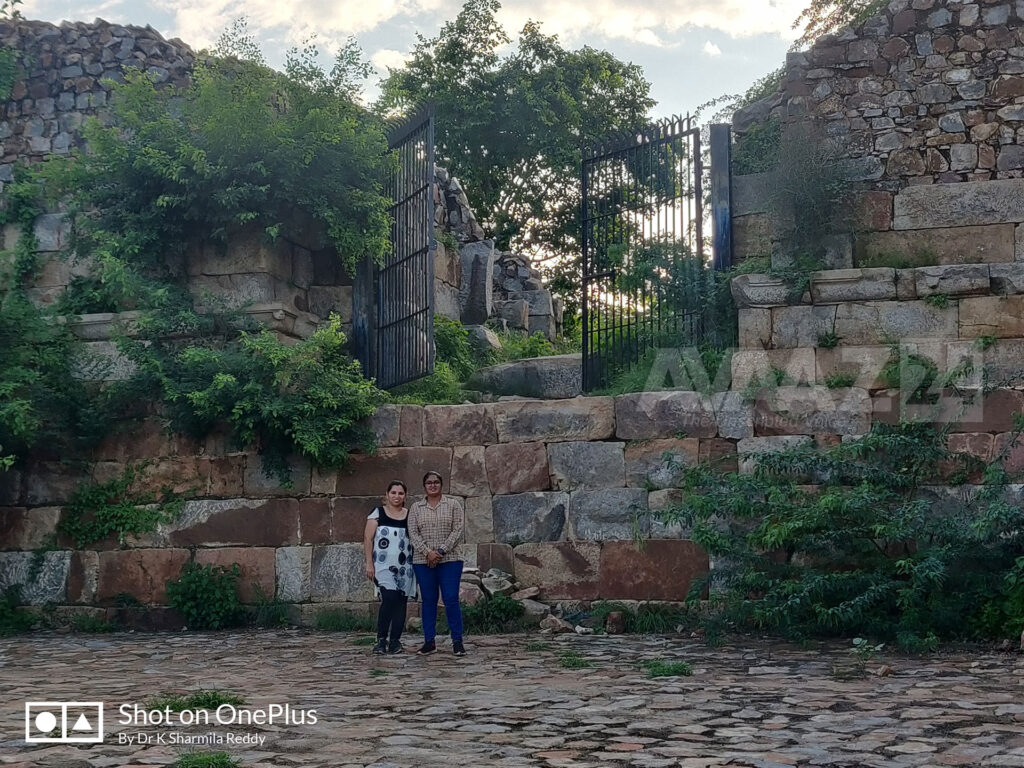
511 702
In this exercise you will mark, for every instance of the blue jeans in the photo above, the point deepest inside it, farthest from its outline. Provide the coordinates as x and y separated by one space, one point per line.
446 578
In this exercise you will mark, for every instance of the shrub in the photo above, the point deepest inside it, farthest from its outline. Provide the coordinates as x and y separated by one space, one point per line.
496 614
13 621
662 668
867 553
451 341
207 596
269 611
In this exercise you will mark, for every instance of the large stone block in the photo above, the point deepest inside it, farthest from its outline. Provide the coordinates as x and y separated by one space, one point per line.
516 313
527 421
883 322
755 327
469 474
258 482
257 565
813 410
1006 279
22 528
52 483
999 316
947 245
348 516
325 300
370 475
83 576
749 448
753 193
609 513
39 585
10 487
338 574
838 285
794 366
755 290
52 231
476 290
1002 362
141 573
446 300
553 377
802 326
660 570
293 570
458 425
235 522
864 364
479 525
993 412
586 465
538 302
517 468
494 556
734 416
959 205
649 415
247 252
952 280
659 463
751 236
529 517
718 453
564 570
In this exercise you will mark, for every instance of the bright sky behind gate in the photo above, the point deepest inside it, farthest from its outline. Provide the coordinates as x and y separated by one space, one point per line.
691 50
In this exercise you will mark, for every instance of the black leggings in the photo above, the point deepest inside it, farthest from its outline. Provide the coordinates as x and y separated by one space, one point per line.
391 615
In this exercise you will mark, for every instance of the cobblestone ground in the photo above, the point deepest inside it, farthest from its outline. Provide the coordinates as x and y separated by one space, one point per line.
512 702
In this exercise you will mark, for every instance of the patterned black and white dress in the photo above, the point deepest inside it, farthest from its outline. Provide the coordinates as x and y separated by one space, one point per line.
392 554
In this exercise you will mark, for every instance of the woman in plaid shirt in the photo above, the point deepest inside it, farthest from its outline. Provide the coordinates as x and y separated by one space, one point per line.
436 528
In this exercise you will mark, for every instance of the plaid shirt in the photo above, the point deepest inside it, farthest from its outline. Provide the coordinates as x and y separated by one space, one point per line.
440 527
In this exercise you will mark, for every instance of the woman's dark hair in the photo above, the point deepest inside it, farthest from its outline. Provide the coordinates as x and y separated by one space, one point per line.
432 473
393 483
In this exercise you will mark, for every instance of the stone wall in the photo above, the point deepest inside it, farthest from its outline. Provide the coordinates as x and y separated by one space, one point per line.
927 99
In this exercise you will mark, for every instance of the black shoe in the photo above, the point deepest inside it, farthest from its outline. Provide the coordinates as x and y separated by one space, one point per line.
426 649
395 646
381 647
458 648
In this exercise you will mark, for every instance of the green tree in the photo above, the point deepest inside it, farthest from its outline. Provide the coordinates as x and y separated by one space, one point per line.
512 128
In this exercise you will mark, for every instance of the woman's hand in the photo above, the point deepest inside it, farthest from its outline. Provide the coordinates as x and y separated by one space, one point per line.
370 573
433 558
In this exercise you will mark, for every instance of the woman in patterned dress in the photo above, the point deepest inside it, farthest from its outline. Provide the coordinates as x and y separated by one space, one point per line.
389 566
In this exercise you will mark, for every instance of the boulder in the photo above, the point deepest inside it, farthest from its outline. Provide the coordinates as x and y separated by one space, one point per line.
483 339
534 611
526 594
548 378
555 624
477 287
496 585
470 594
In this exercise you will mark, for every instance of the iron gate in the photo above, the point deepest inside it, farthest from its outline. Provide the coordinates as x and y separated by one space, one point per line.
398 297
644 273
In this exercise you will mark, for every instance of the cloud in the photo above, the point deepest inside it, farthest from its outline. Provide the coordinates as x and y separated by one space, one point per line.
711 49
386 57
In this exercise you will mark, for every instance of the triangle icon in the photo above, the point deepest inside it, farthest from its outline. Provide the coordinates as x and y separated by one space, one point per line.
81 724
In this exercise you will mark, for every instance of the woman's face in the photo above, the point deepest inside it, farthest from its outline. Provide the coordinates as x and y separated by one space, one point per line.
396 496
432 485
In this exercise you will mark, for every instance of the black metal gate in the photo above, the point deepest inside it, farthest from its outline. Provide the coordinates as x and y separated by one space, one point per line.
645 278
394 304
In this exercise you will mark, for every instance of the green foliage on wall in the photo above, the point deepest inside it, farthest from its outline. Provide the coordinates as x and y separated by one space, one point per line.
207 596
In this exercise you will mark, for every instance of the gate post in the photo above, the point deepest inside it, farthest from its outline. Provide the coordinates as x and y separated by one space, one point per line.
364 314
721 195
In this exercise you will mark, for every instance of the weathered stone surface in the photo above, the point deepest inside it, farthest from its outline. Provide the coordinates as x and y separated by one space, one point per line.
538 302
325 300
883 322
660 570
494 556
247 252
236 522
864 363
479 526
802 326
52 483
476 292
813 410
994 412
338 573
959 205
718 453
10 487
1007 278
529 517
659 463
293 570
1002 361
648 415
497 585
458 425
259 483
82 576
751 235
517 467
535 612
469 475
609 513
952 280
347 518
749 448
370 475
516 312
386 424
446 300
874 210
550 378
796 366
989 244
579 465
755 327
752 193
734 416
257 564
141 573
762 291
22 528
839 285
482 339
564 570
999 316
39 585
591 418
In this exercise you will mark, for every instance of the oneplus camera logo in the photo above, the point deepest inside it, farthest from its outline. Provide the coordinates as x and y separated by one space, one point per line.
64 722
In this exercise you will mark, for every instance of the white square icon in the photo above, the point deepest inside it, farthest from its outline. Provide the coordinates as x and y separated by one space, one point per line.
64 722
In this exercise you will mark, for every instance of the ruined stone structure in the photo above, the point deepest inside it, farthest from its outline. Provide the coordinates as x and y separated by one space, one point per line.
927 100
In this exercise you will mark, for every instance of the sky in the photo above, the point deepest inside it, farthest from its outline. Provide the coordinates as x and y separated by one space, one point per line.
691 51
